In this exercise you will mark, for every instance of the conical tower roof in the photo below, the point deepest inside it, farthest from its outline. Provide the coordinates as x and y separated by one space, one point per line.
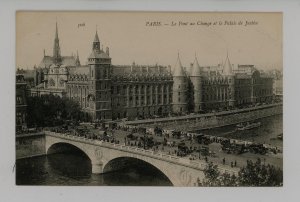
197 69
178 70
227 68
96 39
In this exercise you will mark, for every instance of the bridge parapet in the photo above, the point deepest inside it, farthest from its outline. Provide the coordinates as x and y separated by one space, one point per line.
194 164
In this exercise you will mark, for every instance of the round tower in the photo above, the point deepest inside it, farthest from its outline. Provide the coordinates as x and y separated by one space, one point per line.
179 89
228 73
197 86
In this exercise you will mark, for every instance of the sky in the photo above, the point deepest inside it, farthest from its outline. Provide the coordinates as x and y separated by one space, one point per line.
133 37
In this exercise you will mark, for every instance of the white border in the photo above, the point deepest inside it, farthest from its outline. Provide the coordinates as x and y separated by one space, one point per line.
291 44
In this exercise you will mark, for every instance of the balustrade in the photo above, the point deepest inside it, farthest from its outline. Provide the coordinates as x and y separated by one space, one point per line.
184 161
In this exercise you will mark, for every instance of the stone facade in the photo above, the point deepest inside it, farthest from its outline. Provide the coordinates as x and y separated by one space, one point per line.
21 103
105 91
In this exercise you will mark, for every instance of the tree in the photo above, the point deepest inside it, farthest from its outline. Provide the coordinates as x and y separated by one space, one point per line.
253 174
213 177
258 174
50 110
212 174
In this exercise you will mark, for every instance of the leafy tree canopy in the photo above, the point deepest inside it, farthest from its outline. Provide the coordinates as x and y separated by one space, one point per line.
50 110
253 174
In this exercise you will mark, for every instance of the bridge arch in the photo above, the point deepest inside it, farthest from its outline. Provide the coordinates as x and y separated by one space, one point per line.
165 168
63 147
66 158
122 162
178 171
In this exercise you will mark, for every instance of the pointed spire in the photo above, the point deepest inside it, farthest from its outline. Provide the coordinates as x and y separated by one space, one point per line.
227 69
96 39
178 70
56 31
197 68
56 47
96 43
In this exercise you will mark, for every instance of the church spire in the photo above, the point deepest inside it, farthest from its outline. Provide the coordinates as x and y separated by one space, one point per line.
56 31
56 47
96 43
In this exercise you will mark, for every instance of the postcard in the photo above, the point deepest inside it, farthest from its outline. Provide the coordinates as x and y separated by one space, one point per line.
179 99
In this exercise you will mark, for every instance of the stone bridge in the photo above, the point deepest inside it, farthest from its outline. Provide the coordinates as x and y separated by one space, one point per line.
180 171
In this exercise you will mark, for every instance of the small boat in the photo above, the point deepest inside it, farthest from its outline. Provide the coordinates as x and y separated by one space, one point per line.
248 126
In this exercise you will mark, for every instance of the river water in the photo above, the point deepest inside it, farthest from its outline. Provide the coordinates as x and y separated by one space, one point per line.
267 133
75 168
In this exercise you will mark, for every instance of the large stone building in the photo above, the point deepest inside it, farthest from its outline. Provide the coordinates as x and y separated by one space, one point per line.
21 103
105 91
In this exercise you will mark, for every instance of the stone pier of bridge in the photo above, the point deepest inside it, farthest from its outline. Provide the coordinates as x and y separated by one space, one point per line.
180 171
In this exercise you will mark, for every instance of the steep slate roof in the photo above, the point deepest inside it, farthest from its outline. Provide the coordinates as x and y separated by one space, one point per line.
227 69
69 60
79 70
178 70
196 68
95 54
47 61
120 70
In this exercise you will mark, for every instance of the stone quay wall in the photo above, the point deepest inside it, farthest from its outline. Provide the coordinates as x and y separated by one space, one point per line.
211 120
30 145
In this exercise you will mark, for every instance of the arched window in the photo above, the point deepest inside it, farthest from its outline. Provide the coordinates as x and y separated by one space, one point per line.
52 82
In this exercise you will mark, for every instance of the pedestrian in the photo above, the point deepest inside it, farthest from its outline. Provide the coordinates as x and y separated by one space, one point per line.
234 163
223 161
206 160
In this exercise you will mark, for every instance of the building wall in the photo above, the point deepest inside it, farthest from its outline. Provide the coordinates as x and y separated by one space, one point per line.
21 103
141 99
104 97
144 92
243 91
215 93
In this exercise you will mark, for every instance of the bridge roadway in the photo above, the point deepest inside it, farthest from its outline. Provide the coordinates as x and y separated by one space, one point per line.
180 171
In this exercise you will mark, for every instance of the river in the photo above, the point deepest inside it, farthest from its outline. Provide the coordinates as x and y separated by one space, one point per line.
267 133
75 168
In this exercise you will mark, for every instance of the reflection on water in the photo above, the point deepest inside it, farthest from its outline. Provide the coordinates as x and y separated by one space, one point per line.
75 169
